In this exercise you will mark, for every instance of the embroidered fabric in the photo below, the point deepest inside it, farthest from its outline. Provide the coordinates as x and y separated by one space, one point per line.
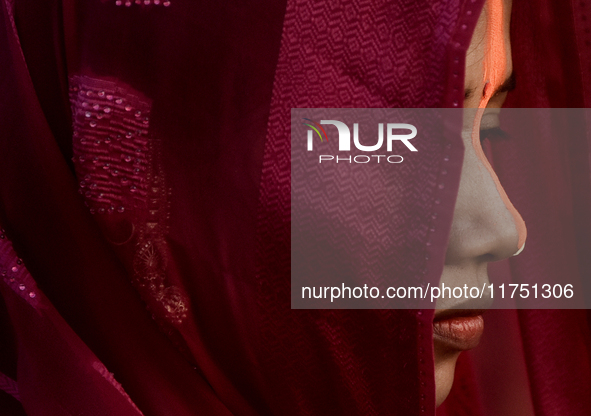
118 165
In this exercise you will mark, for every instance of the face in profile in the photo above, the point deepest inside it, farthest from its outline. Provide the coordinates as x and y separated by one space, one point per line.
485 226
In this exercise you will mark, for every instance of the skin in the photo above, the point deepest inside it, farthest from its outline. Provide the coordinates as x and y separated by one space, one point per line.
485 226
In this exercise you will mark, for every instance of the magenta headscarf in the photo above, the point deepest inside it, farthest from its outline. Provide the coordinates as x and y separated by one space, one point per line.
145 203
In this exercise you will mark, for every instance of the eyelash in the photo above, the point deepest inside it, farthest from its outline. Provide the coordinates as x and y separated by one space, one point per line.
493 134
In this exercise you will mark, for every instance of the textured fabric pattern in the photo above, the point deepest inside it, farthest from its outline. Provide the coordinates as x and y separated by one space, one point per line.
365 65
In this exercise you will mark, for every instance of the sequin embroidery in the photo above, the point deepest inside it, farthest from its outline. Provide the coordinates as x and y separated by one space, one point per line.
14 273
117 163
129 3
110 377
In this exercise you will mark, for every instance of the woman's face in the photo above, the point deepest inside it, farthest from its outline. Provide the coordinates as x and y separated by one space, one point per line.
485 225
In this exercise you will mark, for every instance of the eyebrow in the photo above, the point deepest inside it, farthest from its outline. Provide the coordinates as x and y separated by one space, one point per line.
506 86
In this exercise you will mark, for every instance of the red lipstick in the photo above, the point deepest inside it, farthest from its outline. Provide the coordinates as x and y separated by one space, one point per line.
460 330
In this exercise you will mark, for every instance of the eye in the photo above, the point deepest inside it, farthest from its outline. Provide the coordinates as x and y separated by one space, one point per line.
493 134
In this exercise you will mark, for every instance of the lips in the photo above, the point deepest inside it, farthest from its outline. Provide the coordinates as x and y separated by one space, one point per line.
458 329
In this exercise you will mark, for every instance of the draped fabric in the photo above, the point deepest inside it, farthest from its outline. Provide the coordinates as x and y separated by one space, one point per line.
145 208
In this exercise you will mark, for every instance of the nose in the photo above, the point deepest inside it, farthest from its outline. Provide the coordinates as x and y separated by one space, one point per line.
485 227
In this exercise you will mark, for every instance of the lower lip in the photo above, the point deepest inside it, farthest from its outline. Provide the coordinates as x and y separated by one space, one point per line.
462 333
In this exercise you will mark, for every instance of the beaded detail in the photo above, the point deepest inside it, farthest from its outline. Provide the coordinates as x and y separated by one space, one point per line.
110 377
110 145
14 273
118 167
129 3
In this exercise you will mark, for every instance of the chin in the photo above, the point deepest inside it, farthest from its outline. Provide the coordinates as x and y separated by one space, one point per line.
454 331
445 367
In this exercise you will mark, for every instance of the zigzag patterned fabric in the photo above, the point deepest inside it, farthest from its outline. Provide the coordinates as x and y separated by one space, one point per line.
353 54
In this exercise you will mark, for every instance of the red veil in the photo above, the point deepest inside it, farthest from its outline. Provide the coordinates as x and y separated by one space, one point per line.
145 206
